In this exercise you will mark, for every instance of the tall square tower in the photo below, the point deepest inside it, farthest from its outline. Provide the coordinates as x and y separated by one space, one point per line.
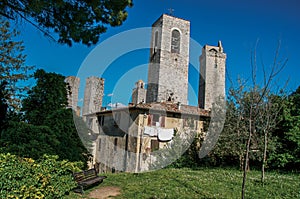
72 88
212 75
139 92
93 94
169 60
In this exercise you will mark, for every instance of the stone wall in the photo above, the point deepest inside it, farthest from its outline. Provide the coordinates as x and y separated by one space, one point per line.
93 94
168 71
72 88
139 93
129 148
212 75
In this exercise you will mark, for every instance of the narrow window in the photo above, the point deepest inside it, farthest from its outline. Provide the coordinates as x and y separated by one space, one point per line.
155 40
162 121
175 41
115 144
155 120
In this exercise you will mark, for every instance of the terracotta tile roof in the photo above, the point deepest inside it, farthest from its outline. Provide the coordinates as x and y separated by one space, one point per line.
165 107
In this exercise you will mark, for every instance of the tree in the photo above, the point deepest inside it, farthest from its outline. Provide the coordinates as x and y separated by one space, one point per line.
3 104
255 104
70 145
27 140
46 106
288 133
74 21
12 65
255 113
229 150
49 95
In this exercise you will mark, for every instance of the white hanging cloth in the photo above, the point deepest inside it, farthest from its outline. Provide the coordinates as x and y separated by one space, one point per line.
150 131
165 134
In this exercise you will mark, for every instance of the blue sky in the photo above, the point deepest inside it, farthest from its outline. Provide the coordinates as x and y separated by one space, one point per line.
238 24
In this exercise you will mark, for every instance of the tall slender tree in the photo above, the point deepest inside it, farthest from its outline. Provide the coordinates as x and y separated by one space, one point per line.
13 69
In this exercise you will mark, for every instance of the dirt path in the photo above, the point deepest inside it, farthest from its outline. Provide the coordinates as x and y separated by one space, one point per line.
105 192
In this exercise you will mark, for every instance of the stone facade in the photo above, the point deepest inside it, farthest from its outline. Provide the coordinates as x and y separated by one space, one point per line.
139 93
169 59
93 95
212 75
125 144
72 89
130 137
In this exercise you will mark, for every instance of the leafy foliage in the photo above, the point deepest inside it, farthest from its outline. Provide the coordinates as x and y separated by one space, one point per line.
73 21
48 127
47 96
287 155
3 104
12 64
27 140
27 178
70 146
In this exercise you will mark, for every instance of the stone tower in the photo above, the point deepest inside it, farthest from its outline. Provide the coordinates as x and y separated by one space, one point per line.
72 88
212 75
93 94
169 60
139 92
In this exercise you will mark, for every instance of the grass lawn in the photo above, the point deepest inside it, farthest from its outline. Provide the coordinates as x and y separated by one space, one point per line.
203 183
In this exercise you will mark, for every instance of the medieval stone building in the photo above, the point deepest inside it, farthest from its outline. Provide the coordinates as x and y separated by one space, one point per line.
129 138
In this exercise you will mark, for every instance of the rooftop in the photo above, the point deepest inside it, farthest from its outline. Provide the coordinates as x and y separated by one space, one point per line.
167 107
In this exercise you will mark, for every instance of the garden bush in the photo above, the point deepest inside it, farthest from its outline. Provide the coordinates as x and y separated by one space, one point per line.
43 178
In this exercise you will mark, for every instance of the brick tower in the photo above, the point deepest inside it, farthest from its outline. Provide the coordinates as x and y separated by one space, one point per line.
169 60
212 75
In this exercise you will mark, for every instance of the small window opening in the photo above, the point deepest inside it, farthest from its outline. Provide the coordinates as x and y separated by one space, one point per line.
115 144
175 41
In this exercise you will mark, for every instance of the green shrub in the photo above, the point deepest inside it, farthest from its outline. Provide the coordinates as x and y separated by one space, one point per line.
27 178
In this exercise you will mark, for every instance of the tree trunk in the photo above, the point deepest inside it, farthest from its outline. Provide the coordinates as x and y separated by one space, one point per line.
264 156
246 165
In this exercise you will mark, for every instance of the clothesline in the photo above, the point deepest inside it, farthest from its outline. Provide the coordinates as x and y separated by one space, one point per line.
162 133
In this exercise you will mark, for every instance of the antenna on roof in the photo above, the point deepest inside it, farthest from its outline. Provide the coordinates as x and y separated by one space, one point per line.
171 11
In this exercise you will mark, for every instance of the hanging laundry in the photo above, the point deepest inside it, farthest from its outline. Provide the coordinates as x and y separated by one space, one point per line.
165 135
150 131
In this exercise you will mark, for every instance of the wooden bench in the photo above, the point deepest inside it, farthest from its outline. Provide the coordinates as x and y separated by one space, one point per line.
86 179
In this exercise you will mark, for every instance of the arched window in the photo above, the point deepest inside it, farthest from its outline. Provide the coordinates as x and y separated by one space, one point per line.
175 41
215 52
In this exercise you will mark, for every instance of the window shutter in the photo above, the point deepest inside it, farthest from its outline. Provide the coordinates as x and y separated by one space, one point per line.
162 121
149 119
